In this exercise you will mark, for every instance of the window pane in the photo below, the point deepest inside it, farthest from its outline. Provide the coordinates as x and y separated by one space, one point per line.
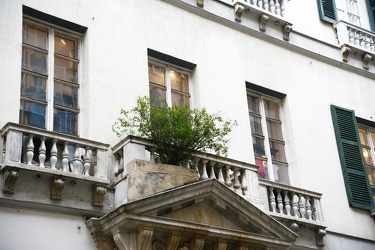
156 74
363 136
35 36
371 175
272 109
32 114
34 61
65 121
262 169
66 46
33 87
180 100
65 95
179 81
277 151
258 146
157 95
367 155
373 138
253 103
274 130
280 173
256 126
66 70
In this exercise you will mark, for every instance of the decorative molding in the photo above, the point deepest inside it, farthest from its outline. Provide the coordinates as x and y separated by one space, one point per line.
200 3
238 10
173 241
365 60
158 244
286 31
57 185
10 177
319 234
197 244
345 51
263 19
294 226
144 238
99 193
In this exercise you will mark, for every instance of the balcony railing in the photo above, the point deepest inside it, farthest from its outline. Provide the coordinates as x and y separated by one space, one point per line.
354 39
57 155
230 172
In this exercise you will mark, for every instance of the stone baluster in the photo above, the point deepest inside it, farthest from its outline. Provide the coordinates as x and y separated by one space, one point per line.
243 182
287 202
220 176
279 199
313 209
351 35
42 151
53 159
202 169
277 8
356 38
265 5
260 3
282 8
86 161
212 170
308 208
362 39
30 150
372 45
301 206
65 157
272 6
295 204
75 168
236 182
228 181
272 200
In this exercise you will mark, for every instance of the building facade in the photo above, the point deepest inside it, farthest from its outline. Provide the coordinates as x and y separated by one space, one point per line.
297 76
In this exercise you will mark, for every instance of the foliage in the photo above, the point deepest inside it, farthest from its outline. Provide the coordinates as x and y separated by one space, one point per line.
176 131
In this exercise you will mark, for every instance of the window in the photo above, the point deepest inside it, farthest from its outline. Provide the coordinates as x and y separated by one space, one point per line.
327 10
268 143
367 138
168 84
49 78
371 13
351 157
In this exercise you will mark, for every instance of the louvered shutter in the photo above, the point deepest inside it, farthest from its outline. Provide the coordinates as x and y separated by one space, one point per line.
327 10
352 163
371 13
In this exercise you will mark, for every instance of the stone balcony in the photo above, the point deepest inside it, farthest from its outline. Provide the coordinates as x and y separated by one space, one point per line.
355 40
62 172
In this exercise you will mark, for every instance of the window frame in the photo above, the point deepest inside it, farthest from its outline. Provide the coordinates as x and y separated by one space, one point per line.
52 31
371 148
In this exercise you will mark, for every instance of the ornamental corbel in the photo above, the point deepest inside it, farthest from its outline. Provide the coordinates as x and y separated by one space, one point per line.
319 234
263 19
345 50
286 31
238 10
57 185
200 3
99 193
365 60
10 177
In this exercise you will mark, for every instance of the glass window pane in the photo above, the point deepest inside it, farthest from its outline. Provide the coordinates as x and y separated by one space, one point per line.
371 175
262 168
65 95
256 126
180 100
274 130
179 81
34 61
66 46
367 155
363 136
157 96
272 109
280 173
156 74
277 151
253 103
33 87
65 121
258 146
66 70
372 138
34 35
32 114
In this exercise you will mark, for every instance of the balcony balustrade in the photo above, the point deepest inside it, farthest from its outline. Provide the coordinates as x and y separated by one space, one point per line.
354 39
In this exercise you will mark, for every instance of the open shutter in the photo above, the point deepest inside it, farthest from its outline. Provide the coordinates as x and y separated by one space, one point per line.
327 10
352 163
371 13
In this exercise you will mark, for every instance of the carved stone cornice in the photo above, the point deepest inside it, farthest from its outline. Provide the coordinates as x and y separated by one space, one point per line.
238 10
263 19
57 185
98 194
365 60
10 177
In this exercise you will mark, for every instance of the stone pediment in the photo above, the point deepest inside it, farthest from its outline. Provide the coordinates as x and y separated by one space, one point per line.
205 210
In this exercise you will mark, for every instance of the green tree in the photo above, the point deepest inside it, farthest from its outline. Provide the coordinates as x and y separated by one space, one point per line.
176 131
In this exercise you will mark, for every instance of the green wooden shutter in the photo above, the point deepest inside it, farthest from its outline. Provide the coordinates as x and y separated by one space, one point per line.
371 13
352 163
327 10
